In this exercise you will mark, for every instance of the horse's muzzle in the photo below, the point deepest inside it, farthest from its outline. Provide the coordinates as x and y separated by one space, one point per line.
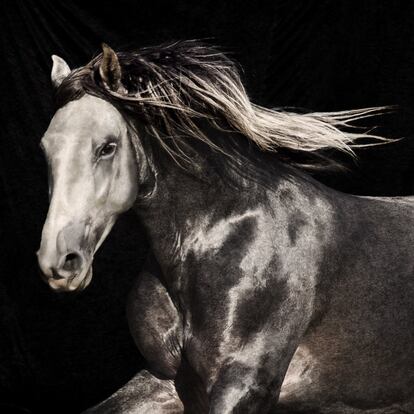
65 256
69 272
65 280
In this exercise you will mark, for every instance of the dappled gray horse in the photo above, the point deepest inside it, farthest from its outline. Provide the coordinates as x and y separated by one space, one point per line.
264 289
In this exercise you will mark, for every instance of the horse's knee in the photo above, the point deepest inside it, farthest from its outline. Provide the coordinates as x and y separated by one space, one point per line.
155 324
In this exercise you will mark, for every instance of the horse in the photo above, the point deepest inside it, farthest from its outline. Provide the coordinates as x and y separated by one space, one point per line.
264 290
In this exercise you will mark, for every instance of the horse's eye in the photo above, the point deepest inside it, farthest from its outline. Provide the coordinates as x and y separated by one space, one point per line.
107 150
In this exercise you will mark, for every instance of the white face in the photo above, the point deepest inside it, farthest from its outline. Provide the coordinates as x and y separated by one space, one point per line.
93 178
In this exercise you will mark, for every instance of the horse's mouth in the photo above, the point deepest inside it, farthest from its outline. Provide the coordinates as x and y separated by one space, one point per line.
74 284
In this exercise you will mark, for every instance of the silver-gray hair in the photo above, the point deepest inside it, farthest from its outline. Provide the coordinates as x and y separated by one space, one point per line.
171 87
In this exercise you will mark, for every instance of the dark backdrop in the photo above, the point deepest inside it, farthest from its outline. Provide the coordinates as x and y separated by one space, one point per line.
61 353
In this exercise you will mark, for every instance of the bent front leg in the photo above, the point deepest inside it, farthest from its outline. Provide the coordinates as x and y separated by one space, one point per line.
154 322
157 330
145 393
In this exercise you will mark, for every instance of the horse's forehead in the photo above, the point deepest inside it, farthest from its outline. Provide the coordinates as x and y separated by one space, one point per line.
86 118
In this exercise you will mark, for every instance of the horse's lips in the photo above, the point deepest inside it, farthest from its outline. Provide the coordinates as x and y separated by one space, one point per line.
76 284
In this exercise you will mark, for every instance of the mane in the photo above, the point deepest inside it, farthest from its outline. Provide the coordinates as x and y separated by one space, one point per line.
174 88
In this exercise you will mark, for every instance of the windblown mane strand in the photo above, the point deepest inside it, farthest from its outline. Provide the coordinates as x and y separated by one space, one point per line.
174 87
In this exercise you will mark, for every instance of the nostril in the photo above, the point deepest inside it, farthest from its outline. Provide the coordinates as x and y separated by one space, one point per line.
72 262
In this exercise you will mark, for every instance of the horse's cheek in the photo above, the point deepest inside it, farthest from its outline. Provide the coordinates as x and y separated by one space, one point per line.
122 188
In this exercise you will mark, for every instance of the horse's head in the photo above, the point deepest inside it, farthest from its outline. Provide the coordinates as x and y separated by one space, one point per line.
92 180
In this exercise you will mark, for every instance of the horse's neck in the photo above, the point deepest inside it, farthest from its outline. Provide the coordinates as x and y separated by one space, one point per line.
181 202
178 199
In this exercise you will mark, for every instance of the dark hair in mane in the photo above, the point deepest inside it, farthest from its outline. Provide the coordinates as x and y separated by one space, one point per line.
172 88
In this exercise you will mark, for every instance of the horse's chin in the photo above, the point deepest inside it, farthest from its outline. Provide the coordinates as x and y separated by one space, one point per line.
72 285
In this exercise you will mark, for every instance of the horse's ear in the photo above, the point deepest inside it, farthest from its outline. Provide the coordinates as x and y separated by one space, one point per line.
110 69
60 70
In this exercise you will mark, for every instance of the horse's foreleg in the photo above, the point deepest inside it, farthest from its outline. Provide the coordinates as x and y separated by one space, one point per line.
157 330
145 393
250 378
240 388
154 321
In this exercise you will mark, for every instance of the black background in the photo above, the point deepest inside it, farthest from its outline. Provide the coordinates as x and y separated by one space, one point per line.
62 353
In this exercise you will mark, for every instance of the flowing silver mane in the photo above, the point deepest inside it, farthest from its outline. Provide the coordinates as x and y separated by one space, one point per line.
174 86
